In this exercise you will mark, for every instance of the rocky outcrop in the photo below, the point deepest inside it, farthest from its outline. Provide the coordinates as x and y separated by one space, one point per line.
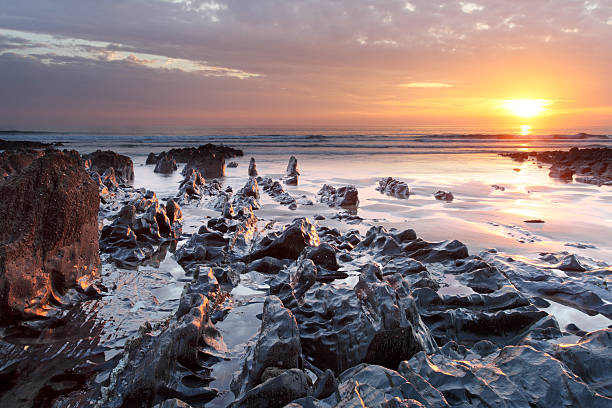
208 159
252 168
165 164
444 196
277 348
13 162
100 161
25 144
292 173
347 196
49 233
591 165
391 186
275 189
140 228
289 243
376 321
168 361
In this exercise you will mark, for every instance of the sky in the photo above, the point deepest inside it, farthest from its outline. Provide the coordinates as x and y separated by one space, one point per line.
88 63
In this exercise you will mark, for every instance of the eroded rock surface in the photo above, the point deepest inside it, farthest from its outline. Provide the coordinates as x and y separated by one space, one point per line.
100 161
48 234
346 196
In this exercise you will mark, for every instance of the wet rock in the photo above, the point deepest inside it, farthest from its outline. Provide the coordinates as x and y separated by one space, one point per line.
292 173
583 291
173 403
209 165
139 230
391 186
346 196
437 251
99 161
290 243
368 385
373 322
590 165
498 187
571 263
151 159
514 376
169 362
268 265
276 191
232 165
186 154
444 196
323 255
590 359
252 168
205 247
277 392
49 234
165 164
278 345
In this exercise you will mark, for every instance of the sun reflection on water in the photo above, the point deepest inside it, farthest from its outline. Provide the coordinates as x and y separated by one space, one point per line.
525 130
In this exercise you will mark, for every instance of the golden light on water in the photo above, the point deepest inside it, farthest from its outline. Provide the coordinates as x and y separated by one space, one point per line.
525 130
526 108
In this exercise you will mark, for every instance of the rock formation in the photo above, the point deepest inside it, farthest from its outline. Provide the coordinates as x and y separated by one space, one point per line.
49 233
100 161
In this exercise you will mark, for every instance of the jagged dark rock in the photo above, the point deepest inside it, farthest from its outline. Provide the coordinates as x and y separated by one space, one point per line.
391 186
165 164
346 196
590 165
12 162
100 161
290 243
48 233
140 229
252 168
444 196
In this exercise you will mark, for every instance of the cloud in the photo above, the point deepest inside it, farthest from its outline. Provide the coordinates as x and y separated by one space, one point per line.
61 50
426 85
470 8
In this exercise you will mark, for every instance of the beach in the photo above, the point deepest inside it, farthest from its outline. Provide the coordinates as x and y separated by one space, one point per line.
492 198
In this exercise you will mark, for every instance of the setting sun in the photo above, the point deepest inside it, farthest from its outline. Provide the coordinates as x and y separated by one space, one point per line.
526 108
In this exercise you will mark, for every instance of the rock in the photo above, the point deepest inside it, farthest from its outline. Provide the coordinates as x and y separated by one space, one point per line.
151 158
290 243
277 392
292 173
209 165
165 164
25 145
49 234
534 221
571 263
232 165
342 197
590 165
276 191
373 322
172 403
368 385
132 238
391 186
186 154
436 251
252 168
498 187
590 359
100 161
12 162
268 265
323 255
168 362
444 196
278 346
514 376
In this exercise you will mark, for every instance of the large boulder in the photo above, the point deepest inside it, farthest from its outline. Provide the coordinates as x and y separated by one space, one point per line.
13 162
290 243
48 233
165 164
346 196
100 161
